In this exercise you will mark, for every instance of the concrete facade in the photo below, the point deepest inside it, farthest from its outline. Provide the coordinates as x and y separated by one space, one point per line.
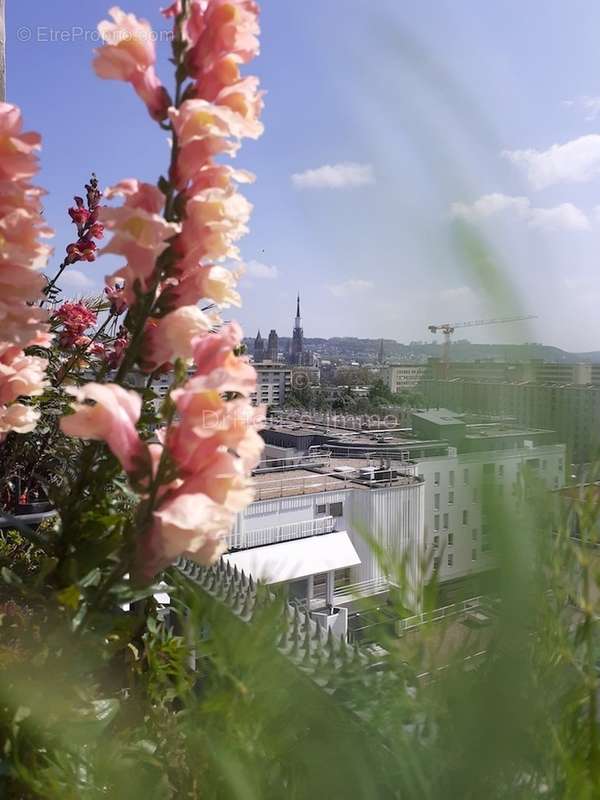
273 384
398 377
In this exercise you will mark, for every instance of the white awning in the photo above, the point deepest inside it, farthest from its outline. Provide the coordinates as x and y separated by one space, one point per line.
287 561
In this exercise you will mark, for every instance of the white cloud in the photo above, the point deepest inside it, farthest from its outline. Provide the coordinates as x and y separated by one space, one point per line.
256 269
565 216
576 161
352 286
490 204
335 176
589 105
74 279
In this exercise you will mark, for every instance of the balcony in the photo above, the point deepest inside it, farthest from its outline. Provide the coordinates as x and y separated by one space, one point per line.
281 533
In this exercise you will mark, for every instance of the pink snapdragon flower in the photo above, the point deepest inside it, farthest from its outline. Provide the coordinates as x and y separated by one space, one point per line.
173 337
83 249
138 194
129 55
18 159
18 418
218 366
22 326
191 525
209 424
88 227
203 131
114 356
112 419
22 255
221 28
214 444
140 234
116 296
20 375
79 213
198 282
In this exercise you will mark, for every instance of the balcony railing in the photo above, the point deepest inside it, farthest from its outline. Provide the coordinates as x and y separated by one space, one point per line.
438 614
281 533
318 459
355 591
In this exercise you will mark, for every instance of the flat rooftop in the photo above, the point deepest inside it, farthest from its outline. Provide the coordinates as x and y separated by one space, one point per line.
339 474
497 429
294 430
441 416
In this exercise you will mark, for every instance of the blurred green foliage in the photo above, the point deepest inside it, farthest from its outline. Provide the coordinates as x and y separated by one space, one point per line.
200 704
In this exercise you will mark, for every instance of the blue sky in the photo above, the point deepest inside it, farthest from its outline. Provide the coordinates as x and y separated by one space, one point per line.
474 118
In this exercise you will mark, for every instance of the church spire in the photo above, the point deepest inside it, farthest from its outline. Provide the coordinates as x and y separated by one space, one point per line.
297 343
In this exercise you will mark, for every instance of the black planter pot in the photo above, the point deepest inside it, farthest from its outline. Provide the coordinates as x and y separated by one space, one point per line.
30 514
39 507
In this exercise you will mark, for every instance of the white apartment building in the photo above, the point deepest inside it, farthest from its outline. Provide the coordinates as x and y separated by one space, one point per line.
274 383
458 541
398 377
458 457
313 528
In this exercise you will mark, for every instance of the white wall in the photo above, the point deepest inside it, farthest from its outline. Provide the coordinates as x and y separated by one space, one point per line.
393 516
468 497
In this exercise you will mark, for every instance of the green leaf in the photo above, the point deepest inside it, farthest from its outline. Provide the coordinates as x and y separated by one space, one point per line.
106 710
8 576
91 579
70 597
152 625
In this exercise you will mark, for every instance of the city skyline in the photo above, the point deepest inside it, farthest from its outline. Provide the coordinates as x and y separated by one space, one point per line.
364 222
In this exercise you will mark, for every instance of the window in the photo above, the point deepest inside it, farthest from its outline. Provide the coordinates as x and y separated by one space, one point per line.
342 578
475 495
436 478
436 502
450 539
450 498
465 476
436 563
465 517
322 509
474 554
436 541
436 522
445 522
474 534
450 559
451 478
336 509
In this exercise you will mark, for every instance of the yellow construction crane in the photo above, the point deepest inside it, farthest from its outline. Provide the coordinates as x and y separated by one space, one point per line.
448 328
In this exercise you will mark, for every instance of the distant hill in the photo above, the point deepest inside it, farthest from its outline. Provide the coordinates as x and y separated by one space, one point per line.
350 348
